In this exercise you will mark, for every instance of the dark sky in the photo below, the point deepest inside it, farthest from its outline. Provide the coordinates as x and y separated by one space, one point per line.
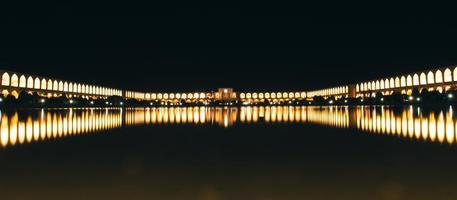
150 47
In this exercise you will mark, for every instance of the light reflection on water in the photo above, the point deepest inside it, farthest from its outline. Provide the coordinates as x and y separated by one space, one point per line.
27 126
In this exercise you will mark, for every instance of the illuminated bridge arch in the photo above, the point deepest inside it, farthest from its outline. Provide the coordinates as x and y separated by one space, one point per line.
36 84
55 85
14 81
402 81
30 82
423 79
430 78
22 81
416 79
49 84
447 75
43 84
60 86
5 79
438 76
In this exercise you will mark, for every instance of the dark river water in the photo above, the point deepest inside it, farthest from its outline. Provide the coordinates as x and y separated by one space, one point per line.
216 153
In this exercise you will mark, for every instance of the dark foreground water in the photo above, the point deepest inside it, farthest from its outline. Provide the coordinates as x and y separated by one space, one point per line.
203 153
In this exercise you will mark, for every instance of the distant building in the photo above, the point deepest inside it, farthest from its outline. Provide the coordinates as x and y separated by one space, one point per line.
225 94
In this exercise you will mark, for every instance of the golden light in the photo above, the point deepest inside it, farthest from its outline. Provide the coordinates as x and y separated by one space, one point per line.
297 94
291 95
278 95
5 79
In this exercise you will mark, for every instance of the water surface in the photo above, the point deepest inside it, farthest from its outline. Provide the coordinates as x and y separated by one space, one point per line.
280 152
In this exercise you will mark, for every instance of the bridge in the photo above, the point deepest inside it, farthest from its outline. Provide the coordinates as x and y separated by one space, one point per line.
440 79
13 83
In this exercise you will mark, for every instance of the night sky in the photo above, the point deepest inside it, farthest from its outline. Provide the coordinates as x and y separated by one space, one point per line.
156 47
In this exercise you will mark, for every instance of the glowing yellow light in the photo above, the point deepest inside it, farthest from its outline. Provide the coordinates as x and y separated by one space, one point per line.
278 95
